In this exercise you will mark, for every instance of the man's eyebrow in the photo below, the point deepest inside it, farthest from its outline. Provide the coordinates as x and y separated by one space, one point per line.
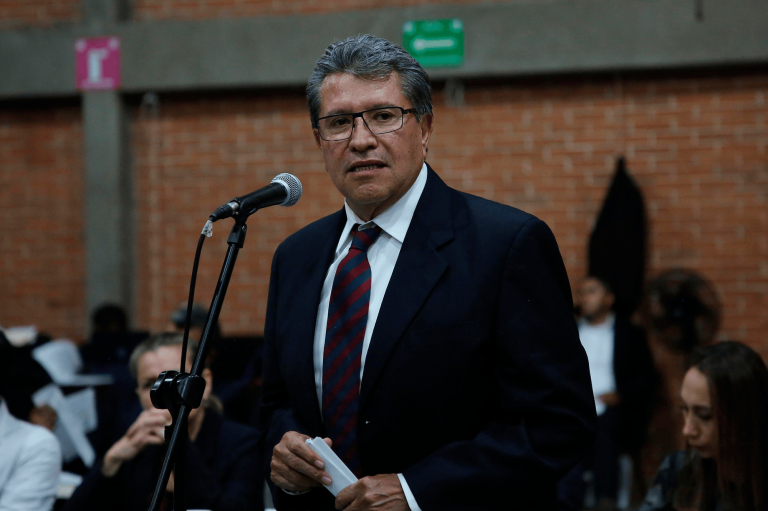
342 111
336 112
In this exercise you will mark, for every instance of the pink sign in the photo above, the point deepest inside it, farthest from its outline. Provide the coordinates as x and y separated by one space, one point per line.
98 63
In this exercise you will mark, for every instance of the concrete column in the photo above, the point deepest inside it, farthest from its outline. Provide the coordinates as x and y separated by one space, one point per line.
109 201
104 12
109 187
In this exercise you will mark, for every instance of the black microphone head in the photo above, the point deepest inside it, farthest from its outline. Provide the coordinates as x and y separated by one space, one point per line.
292 186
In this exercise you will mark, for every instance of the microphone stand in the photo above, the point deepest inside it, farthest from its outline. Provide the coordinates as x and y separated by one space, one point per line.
179 393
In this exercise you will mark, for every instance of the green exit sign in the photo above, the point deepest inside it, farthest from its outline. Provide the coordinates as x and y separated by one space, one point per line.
435 43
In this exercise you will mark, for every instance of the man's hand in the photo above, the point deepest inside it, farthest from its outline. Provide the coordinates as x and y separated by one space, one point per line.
610 399
43 416
379 493
148 429
295 467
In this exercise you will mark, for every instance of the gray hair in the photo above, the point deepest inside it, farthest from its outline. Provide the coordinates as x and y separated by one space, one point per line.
367 56
154 343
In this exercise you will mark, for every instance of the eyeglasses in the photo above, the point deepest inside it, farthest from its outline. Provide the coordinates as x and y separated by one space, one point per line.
379 120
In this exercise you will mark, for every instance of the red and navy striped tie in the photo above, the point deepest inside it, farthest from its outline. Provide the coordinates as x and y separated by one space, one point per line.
347 318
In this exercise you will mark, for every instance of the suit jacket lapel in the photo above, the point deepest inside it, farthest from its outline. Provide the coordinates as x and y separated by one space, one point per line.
419 266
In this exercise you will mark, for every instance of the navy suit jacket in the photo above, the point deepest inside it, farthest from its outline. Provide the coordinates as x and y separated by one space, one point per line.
476 386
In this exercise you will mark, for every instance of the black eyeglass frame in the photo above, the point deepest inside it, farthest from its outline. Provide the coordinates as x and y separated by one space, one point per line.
360 115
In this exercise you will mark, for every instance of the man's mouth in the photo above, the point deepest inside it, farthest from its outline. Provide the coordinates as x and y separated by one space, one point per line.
366 167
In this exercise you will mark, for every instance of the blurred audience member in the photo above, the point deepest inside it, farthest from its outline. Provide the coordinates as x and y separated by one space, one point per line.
20 377
30 464
111 342
236 362
725 411
196 324
107 352
623 381
222 463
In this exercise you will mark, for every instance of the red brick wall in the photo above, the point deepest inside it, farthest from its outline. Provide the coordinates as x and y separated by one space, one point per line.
203 9
42 252
38 13
696 145
195 156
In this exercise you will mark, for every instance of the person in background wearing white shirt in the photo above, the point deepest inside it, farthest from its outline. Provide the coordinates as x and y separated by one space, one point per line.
623 379
30 464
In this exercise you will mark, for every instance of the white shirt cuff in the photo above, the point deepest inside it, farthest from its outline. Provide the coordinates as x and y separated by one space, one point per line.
294 492
408 495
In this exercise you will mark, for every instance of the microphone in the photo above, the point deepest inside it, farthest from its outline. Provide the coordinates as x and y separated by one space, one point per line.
284 190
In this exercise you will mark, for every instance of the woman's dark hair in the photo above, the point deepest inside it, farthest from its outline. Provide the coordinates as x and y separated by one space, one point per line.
737 476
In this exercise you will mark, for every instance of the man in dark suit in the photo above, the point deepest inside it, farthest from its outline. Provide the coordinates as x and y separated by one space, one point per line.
223 471
426 334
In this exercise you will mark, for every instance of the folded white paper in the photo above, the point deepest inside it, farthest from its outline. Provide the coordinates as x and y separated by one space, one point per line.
76 415
20 336
68 483
61 360
340 474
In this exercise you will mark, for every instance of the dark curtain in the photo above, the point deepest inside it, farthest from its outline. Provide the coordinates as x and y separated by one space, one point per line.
617 245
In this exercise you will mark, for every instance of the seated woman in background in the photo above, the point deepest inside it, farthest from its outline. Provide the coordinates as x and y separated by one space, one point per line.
725 408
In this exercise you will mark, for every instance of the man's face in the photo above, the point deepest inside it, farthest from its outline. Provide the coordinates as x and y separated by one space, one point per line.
595 299
152 363
372 171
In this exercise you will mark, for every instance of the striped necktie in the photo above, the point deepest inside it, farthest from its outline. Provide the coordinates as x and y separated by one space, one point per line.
347 318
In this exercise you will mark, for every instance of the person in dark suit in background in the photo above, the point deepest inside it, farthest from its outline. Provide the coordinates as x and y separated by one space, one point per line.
623 381
107 352
222 460
425 333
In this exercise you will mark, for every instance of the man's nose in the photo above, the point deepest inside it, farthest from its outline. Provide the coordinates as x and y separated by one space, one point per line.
361 138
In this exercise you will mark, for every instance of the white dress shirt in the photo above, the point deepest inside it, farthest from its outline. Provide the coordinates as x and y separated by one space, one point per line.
30 464
382 257
598 341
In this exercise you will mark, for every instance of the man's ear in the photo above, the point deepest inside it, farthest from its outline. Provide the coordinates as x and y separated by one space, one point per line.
208 377
318 140
425 123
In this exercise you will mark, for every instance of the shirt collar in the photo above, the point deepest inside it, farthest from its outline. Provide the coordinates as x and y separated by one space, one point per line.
608 324
395 220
